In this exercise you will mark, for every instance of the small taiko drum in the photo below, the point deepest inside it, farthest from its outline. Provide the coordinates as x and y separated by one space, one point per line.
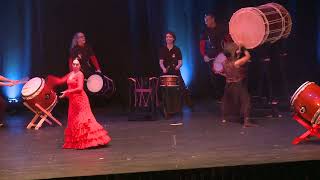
35 91
218 63
253 26
306 102
99 84
169 80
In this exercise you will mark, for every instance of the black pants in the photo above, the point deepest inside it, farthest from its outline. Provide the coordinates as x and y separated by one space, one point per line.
265 81
236 100
185 93
217 83
2 109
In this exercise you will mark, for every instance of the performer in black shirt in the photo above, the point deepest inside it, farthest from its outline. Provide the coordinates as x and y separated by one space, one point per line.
210 46
171 61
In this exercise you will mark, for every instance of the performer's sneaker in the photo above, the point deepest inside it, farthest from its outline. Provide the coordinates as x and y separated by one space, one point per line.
1 124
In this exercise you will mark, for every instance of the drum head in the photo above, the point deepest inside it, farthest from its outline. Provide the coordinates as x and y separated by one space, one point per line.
217 67
95 83
220 58
247 27
31 86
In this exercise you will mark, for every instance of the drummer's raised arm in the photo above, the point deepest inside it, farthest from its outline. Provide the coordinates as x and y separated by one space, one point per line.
95 62
243 60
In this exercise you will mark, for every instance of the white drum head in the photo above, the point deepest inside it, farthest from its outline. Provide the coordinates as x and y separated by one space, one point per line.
220 58
218 67
94 83
31 86
247 27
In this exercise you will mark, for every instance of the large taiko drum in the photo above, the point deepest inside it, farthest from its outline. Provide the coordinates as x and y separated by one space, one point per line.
306 102
35 91
253 26
99 84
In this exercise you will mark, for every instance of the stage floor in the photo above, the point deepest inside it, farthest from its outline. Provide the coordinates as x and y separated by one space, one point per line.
138 146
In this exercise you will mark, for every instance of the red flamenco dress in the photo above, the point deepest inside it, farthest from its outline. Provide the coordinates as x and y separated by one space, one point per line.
83 131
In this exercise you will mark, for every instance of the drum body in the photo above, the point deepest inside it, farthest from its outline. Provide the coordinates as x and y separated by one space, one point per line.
253 26
169 80
170 94
35 91
171 99
306 102
99 84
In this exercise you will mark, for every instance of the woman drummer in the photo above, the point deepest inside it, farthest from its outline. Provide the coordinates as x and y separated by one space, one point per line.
83 52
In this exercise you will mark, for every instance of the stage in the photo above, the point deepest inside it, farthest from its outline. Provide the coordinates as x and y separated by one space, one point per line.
183 144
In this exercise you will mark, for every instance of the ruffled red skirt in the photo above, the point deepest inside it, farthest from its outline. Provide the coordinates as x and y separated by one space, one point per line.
83 131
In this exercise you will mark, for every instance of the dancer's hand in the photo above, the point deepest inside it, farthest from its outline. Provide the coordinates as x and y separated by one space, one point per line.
63 94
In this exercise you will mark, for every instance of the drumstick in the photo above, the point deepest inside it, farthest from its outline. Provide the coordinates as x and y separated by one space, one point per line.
22 81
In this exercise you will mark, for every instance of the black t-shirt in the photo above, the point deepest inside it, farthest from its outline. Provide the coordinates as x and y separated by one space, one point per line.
170 58
83 53
213 38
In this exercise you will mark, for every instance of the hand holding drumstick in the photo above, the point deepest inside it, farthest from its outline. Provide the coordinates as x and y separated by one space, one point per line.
9 82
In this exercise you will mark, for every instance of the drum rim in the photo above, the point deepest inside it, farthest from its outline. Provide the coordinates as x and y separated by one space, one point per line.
37 92
169 76
315 118
169 85
253 10
299 90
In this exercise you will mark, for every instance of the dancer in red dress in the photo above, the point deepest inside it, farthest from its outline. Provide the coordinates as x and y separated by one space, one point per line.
83 131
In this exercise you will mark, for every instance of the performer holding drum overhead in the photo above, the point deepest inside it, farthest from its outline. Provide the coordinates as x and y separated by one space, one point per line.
170 60
236 96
